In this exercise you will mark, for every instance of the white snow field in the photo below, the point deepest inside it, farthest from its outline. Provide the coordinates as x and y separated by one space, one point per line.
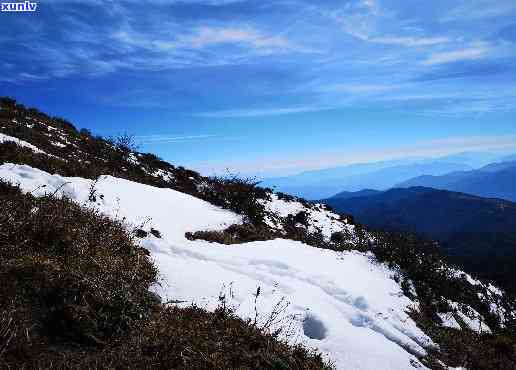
6 138
342 303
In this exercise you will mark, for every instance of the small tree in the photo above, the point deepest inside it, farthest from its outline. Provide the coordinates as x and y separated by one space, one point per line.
126 144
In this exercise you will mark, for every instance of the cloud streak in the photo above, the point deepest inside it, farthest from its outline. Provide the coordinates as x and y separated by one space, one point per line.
476 51
357 88
166 139
259 112
205 37
480 9
409 41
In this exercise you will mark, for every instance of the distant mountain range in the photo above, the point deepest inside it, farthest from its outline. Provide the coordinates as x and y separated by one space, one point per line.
476 233
325 183
355 194
494 180
509 158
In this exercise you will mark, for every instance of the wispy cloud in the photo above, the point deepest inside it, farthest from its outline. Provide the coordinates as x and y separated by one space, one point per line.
121 41
207 36
357 88
203 37
409 41
476 107
480 9
259 112
397 40
362 21
166 139
454 103
475 51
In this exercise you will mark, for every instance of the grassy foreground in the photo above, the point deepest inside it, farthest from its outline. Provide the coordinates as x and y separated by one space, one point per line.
74 293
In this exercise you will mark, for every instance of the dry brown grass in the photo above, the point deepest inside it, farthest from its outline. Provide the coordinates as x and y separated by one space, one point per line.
74 293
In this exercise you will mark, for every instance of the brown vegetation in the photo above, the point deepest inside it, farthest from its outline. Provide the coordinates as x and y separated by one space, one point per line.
74 293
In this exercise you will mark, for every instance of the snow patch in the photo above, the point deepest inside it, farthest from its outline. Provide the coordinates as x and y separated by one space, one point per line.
132 158
6 138
470 317
319 218
343 303
58 144
165 175
448 320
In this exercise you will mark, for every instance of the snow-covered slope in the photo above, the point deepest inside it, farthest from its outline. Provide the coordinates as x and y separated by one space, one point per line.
6 138
343 303
319 218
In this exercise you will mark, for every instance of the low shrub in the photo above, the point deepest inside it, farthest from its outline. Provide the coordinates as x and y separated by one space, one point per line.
235 234
241 195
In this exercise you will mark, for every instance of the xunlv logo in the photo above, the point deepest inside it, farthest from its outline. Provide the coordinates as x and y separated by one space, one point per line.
27 6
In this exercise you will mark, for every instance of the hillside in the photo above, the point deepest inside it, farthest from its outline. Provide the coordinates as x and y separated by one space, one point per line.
495 180
272 275
478 233
79 292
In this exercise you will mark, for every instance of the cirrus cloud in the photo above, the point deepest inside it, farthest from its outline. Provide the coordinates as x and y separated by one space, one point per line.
475 51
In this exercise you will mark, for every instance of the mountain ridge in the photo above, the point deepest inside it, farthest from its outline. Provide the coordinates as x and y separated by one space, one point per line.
378 179
494 180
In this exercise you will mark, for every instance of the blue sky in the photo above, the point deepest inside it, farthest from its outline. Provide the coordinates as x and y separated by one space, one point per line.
272 87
